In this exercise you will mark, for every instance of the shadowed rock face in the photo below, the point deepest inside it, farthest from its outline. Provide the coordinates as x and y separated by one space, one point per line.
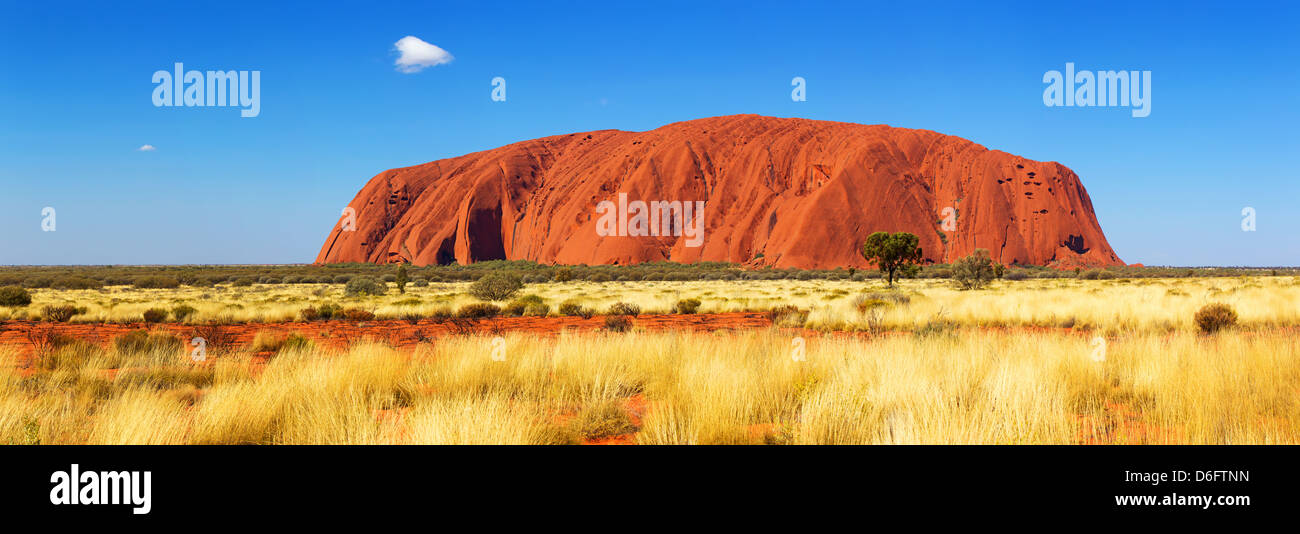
780 192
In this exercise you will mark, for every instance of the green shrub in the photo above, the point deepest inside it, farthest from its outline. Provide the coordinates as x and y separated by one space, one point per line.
574 308
296 341
496 286
14 296
687 306
364 285
519 306
244 281
1214 317
183 312
157 282
478 310
975 271
537 310
155 315
420 282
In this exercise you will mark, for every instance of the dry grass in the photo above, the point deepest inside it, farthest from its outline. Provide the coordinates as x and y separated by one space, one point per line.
1112 306
975 386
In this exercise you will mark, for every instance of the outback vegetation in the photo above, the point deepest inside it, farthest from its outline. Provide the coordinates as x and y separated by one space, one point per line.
524 353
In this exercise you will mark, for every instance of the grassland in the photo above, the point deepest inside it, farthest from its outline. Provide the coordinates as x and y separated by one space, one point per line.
1031 361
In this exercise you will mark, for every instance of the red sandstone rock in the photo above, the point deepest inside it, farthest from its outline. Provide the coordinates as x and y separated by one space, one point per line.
780 192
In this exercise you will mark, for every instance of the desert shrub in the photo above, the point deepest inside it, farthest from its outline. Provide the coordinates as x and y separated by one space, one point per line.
138 341
574 308
1096 274
364 285
787 316
38 282
687 306
496 286
520 305
441 314
975 271
420 282
563 274
602 419
937 327
14 296
625 308
59 314
599 277
537 310
1214 317
358 314
329 310
76 282
157 282
296 341
389 278
244 281
1015 274
309 314
183 311
342 279
155 315
618 323
478 310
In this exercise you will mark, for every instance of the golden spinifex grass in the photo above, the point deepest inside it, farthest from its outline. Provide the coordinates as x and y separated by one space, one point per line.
1108 305
949 386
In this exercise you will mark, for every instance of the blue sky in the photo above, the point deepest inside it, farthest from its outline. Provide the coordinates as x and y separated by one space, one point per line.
75 82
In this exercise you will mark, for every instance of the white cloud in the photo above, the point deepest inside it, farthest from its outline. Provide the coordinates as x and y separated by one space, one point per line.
417 54
147 148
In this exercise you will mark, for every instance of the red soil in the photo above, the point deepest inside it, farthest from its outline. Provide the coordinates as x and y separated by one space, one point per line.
777 191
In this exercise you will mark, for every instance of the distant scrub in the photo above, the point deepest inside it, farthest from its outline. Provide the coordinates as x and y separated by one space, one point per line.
364 285
157 282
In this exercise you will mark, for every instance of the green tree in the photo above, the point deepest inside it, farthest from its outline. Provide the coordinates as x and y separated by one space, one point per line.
401 279
496 286
892 252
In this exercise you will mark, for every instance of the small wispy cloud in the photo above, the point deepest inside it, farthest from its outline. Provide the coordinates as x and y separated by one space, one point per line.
416 55
147 148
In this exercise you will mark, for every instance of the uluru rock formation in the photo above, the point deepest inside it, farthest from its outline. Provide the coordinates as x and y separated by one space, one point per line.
778 192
